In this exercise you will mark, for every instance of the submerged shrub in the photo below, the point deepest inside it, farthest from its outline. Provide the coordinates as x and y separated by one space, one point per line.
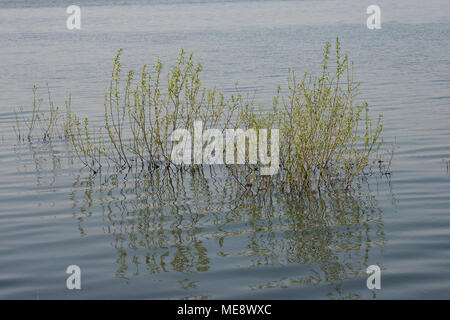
140 117
327 138
44 120
326 134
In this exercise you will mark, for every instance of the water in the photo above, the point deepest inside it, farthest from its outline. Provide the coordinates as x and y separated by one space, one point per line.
135 237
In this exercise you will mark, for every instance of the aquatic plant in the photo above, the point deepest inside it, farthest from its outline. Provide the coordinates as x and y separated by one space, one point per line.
46 121
327 138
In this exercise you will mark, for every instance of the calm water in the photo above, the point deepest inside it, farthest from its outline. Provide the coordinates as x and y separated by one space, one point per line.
141 237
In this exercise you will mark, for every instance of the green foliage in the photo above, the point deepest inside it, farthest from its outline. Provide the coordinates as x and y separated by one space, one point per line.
45 121
147 112
327 138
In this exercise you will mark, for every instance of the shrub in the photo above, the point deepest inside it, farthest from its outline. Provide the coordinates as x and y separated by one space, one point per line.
327 138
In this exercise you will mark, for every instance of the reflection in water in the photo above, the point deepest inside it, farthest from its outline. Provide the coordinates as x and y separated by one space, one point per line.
167 224
187 223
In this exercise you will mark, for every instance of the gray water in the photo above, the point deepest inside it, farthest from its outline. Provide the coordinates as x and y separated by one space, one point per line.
138 237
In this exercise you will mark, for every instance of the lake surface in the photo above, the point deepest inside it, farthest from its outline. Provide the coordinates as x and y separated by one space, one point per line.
138 237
